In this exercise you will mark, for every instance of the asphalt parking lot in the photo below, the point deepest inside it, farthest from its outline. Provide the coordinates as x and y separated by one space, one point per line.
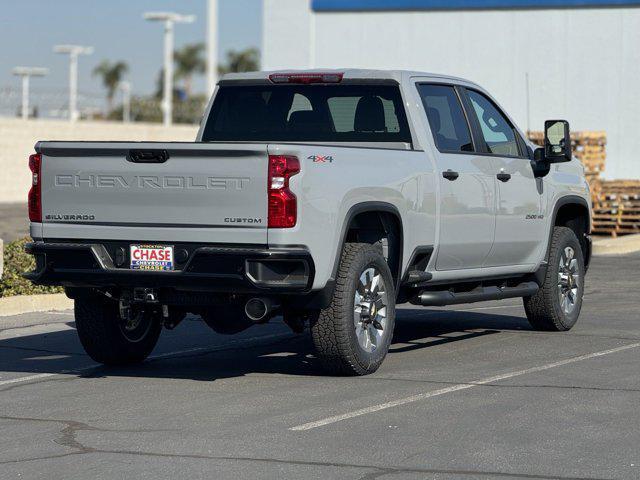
469 392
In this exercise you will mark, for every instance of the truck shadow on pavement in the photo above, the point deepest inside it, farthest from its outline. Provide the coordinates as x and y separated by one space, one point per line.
277 353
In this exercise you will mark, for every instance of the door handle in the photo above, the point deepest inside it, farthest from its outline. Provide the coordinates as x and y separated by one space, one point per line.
450 175
504 177
148 156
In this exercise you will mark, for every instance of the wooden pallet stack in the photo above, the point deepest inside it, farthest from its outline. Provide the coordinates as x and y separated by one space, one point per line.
616 203
616 207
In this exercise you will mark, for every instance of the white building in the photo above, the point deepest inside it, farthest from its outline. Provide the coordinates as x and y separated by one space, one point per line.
582 57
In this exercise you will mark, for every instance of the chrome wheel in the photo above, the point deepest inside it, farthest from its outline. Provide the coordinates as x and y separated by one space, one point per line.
370 309
568 280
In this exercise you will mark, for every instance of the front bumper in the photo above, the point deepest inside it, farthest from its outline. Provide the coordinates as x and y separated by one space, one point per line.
208 268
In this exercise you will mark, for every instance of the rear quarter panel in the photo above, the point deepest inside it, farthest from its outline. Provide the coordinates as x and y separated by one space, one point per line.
333 179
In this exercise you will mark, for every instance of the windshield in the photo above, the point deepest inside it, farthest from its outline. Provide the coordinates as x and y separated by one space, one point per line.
308 113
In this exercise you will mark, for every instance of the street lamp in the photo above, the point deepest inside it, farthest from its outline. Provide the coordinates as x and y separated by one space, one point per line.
212 45
169 18
73 51
125 87
26 73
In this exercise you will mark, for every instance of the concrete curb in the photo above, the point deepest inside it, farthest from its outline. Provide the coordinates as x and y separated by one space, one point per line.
616 246
34 303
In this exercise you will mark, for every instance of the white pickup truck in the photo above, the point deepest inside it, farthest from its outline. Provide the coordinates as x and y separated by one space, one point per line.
325 197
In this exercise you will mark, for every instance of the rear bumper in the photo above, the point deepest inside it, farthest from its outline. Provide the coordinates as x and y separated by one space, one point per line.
208 268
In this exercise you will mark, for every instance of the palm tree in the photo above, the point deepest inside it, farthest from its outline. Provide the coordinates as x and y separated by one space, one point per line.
243 61
111 74
189 60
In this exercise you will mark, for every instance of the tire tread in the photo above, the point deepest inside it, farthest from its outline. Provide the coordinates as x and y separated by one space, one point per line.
540 308
330 331
101 338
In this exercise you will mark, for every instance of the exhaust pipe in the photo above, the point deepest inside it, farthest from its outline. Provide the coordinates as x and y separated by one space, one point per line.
259 309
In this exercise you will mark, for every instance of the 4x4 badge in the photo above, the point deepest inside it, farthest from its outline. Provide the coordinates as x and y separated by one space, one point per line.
320 158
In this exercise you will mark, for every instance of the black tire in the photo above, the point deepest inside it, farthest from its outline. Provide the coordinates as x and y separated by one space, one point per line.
333 329
106 339
227 319
544 309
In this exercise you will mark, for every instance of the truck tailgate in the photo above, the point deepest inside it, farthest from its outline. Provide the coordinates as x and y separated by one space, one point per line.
128 191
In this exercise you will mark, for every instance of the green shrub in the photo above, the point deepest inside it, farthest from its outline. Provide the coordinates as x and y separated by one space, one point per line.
16 262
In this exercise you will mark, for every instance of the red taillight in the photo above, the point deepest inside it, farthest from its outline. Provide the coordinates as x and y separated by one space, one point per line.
282 202
306 78
35 193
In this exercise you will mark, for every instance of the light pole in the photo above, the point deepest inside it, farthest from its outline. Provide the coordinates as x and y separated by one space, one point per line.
73 51
212 45
125 87
26 73
169 19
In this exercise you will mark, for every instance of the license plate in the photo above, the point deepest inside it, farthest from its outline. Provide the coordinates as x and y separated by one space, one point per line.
151 257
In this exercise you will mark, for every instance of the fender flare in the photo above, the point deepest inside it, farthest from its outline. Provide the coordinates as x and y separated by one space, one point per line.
566 200
561 202
357 209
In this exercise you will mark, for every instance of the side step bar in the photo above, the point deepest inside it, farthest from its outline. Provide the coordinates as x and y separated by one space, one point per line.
480 294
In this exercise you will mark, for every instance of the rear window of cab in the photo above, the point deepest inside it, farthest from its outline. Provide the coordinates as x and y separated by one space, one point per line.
308 113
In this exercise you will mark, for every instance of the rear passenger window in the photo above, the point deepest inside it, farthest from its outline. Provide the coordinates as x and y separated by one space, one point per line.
446 118
497 131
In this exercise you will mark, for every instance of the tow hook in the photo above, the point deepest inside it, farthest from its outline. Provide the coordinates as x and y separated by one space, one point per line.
145 295
139 295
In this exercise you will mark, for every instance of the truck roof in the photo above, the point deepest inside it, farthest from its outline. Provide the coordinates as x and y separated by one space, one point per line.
348 73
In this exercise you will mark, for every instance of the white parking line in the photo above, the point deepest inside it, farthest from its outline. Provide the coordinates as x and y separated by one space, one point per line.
455 388
27 379
160 356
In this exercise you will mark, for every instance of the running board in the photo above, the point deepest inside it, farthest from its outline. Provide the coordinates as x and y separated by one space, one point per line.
480 294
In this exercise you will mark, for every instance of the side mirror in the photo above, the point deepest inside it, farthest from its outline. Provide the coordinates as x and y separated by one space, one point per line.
557 141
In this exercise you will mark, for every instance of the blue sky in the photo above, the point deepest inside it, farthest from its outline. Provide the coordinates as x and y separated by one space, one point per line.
30 28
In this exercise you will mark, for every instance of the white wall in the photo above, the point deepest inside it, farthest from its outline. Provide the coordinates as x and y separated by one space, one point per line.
18 137
583 64
286 34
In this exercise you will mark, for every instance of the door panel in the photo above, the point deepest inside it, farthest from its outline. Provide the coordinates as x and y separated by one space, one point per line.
467 182
519 222
467 212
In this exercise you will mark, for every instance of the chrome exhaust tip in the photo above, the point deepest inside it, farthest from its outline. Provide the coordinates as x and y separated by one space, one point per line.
259 309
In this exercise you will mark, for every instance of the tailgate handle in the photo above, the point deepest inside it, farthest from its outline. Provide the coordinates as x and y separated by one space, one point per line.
148 156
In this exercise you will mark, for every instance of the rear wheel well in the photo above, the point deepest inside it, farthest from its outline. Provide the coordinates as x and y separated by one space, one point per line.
576 217
382 228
